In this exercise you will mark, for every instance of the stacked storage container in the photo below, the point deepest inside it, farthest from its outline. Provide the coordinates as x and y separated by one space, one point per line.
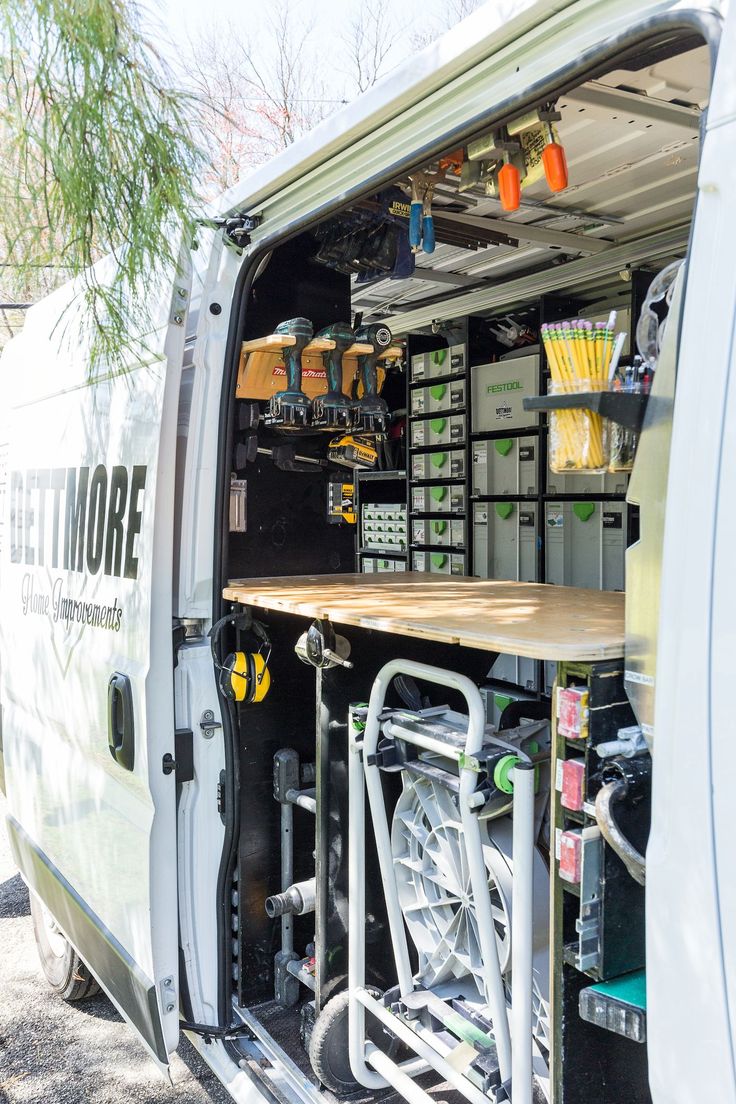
505 478
382 529
482 497
438 516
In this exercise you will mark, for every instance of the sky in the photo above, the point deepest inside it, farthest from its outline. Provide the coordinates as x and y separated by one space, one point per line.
184 19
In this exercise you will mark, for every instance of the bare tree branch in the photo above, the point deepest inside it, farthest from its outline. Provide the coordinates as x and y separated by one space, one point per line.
369 41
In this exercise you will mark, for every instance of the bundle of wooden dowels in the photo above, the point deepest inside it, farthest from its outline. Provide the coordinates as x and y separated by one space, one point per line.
580 355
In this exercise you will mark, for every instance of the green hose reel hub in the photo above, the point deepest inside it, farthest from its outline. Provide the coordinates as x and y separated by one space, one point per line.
503 773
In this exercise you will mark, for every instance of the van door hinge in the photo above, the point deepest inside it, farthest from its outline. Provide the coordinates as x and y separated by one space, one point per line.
183 764
208 724
179 307
237 228
168 994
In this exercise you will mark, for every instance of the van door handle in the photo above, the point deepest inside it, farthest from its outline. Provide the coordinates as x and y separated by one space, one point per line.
121 729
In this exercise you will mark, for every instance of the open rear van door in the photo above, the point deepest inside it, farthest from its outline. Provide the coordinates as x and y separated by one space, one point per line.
86 643
691 869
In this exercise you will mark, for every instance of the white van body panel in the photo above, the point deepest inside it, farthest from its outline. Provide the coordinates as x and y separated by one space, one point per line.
86 595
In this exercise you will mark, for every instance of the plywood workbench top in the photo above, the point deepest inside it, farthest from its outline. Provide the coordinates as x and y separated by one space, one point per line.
526 619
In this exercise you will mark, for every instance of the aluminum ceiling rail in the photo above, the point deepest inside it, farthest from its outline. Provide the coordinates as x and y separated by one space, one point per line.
639 104
529 232
554 278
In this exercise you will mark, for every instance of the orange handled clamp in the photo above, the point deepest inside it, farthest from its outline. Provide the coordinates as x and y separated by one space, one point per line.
509 186
555 163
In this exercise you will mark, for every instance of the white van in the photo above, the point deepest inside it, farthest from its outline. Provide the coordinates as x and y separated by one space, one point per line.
186 792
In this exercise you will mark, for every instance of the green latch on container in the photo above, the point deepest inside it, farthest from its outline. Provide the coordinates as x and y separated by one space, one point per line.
439 526
583 510
437 493
439 356
438 424
504 446
437 391
501 701
504 509
438 459
439 559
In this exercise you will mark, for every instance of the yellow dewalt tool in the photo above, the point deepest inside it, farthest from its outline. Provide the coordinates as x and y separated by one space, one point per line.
353 451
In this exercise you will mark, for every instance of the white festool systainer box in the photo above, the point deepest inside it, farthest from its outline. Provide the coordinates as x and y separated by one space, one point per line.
438 397
505 543
446 464
505 540
498 392
441 563
516 670
506 466
373 564
585 544
442 362
446 362
496 698
432 432
445 532
440 498
418 369
586 483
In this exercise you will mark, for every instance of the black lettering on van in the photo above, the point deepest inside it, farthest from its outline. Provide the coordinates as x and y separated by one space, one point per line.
43 477
135 517
118 500
99 511
28 515
76 509
96 519
57 484
16 517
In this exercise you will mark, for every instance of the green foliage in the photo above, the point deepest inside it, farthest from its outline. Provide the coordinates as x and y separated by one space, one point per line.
97 153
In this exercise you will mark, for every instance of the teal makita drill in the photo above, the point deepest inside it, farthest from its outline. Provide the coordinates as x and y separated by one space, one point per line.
372 414
292 409
334 409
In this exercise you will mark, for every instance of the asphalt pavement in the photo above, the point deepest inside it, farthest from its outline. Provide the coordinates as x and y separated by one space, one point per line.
79 1053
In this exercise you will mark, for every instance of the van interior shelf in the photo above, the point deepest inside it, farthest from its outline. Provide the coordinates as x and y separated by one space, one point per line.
273 342
623 407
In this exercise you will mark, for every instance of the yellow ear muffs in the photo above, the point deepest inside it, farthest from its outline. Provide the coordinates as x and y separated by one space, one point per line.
246 677
261 677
